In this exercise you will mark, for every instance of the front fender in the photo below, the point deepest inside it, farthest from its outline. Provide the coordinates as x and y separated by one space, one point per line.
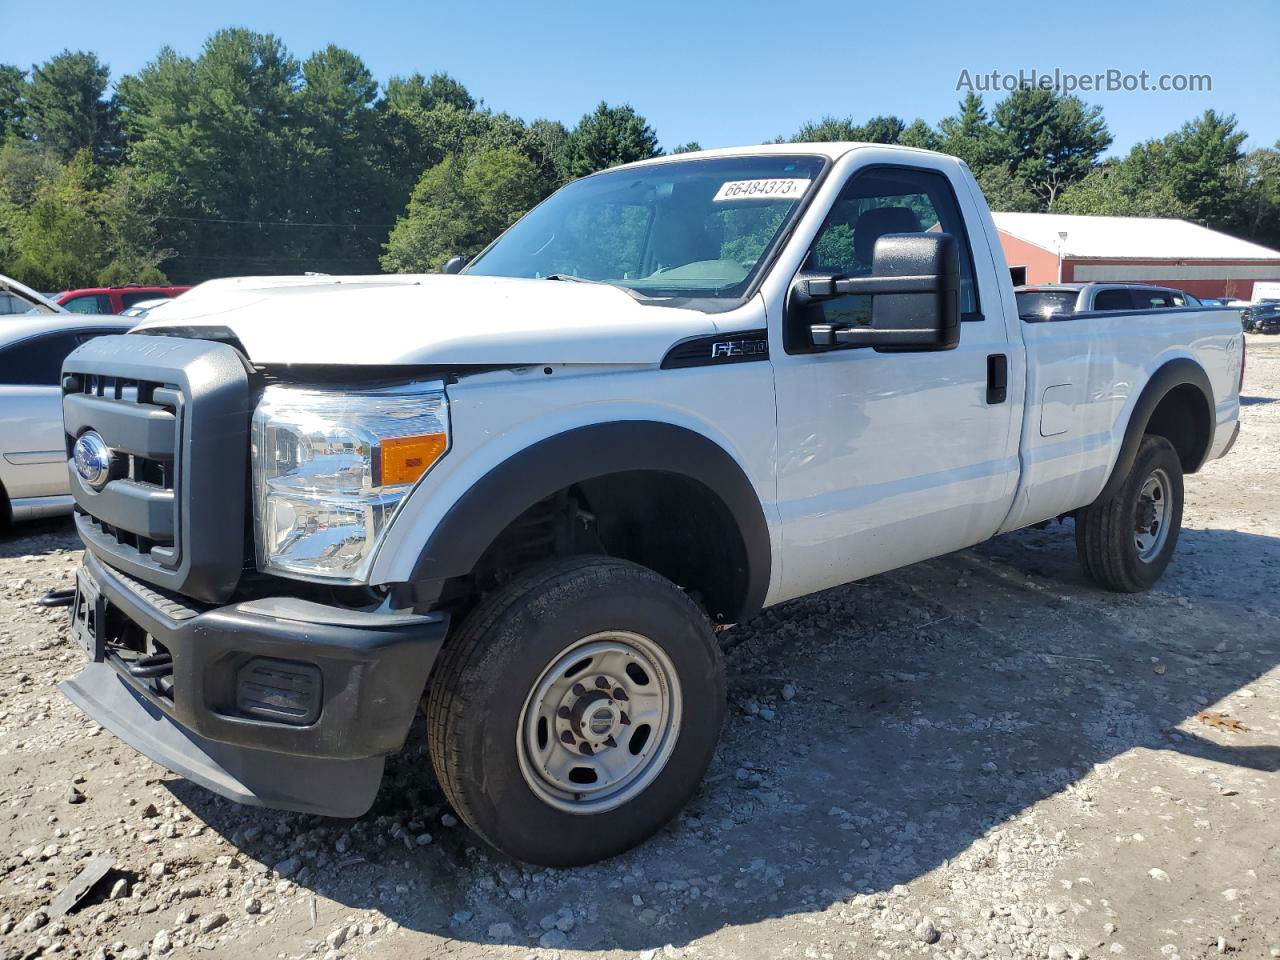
475 519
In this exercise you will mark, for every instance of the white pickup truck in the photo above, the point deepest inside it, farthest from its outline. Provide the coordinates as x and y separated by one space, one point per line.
529 496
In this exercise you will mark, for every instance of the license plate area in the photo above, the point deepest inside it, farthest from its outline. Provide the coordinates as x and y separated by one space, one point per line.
88 611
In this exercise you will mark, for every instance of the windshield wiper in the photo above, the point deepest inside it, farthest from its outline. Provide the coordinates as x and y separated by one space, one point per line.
570 278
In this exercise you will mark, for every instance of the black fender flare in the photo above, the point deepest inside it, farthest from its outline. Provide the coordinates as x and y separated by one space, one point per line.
585 453
1176 373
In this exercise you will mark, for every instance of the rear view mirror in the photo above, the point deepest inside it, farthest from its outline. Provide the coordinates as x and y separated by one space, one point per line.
454 264
915 291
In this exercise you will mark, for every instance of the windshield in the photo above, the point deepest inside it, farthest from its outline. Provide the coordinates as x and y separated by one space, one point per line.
689 228
1038 304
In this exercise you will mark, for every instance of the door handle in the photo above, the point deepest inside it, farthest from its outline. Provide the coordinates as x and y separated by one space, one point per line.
997 378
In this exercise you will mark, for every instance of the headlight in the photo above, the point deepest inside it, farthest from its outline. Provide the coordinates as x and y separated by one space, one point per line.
330 470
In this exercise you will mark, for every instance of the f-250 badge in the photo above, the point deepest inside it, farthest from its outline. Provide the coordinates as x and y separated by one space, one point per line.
739 348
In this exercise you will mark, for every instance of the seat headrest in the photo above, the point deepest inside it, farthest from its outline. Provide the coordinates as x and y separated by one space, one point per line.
875 223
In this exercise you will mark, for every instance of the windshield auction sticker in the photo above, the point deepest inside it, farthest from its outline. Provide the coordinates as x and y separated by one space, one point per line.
781 188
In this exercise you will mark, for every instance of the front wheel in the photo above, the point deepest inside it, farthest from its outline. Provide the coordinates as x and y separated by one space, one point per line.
1126 542
576 710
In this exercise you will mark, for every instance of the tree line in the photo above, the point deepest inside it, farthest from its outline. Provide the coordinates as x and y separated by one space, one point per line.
247 160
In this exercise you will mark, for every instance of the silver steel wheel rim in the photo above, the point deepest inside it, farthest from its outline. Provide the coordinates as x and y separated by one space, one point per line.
600 723
1151 526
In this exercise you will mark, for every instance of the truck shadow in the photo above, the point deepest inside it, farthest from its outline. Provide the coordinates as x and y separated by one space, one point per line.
930 706
32 537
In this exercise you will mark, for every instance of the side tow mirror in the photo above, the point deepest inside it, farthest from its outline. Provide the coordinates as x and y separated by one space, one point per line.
915 286
454 264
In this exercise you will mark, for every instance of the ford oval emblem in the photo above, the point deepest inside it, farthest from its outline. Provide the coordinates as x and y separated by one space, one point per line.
92 458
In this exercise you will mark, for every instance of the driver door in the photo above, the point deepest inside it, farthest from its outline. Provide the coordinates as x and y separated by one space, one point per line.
888 458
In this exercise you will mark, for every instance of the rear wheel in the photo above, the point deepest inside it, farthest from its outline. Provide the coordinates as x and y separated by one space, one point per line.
1126 542
576 710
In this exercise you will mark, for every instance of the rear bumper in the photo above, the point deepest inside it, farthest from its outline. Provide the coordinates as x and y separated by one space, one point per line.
366 673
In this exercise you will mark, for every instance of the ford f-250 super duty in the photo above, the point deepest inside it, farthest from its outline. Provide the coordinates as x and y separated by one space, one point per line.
527 495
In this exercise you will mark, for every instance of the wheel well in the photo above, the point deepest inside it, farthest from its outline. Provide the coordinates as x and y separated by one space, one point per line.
1184 419
670 523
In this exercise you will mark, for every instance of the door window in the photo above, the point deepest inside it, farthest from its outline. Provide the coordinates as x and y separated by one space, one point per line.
1151 299
874 203
90 303
1113 300
37 362
129 299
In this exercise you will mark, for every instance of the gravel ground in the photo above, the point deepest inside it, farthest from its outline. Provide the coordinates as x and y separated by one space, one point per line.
980 756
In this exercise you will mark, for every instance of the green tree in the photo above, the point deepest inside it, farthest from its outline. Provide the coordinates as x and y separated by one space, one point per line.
828 130
13 95
1202 160
693 146
224 139
1051 141
427 93
1197 173
970 135
882 129
347 180
1004 191
1258 211
920 134
879 129
83 225
605 138
65 106
544 142
1123 188
458 206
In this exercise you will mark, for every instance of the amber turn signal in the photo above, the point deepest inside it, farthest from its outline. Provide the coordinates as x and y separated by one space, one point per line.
403 460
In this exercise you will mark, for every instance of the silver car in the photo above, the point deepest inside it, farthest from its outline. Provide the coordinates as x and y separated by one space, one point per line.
1048 301
33 457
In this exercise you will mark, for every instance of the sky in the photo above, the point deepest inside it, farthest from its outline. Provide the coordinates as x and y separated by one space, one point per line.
726 73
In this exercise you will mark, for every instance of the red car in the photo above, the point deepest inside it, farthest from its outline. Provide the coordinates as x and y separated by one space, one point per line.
112 299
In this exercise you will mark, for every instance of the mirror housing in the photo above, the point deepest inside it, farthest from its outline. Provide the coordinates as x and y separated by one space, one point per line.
915 286
454 264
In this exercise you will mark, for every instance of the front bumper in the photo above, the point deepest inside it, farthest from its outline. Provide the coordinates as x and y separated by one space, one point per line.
366 673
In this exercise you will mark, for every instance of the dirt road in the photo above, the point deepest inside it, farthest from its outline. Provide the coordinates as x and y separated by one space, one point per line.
980 756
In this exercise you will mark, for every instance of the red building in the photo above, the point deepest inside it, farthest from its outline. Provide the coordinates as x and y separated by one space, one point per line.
1053 247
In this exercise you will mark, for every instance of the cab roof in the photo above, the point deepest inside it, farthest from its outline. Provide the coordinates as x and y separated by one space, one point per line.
832 150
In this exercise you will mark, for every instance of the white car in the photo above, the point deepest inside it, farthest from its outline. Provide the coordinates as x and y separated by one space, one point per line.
674 393
145 307
33 452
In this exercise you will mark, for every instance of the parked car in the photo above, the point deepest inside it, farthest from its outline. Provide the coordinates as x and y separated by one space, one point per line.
676 392
1264 318
1048 301
17 299
144 307
114 299
33 455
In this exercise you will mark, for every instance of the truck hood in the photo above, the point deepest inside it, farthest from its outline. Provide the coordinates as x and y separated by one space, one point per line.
428 319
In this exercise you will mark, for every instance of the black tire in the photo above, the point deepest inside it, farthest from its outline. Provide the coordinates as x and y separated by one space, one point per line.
1105 530
489 668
